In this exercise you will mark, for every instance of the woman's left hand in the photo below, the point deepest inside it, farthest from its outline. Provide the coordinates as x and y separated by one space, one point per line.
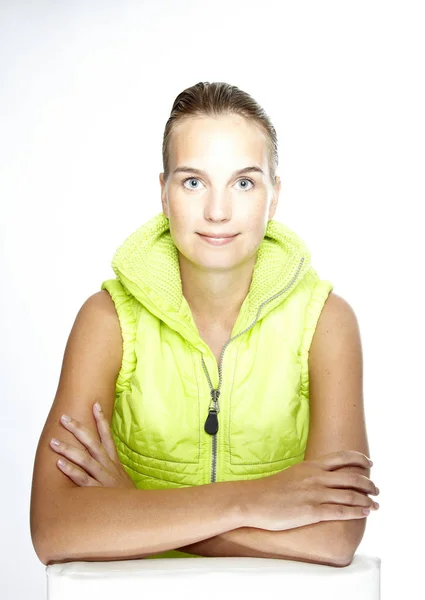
101 464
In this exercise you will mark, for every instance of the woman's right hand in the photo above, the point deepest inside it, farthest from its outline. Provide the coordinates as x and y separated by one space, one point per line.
309 492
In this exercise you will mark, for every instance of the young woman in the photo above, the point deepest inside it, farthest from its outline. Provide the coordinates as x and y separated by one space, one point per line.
218 356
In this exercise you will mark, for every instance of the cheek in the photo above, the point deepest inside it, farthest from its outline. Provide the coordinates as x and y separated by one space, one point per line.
179 218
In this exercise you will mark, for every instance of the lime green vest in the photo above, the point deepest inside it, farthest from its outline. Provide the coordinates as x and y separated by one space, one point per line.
181 420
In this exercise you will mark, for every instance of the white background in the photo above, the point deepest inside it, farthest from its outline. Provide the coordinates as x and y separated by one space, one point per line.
85 91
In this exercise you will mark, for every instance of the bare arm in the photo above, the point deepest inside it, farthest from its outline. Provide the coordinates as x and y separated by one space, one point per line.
99 523
315 543
69 522
337 414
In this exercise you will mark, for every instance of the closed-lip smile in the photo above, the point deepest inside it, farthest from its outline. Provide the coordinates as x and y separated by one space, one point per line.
218 236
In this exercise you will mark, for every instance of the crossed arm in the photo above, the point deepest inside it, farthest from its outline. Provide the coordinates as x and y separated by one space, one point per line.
330 543
336 423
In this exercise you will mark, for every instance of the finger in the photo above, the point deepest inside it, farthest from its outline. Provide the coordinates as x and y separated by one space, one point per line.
85 436
105 433
77 475
344 458
85 460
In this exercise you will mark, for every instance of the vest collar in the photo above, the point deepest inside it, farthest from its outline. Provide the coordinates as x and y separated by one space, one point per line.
147 266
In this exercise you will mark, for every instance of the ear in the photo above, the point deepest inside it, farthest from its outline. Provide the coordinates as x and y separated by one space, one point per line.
275 199
163 195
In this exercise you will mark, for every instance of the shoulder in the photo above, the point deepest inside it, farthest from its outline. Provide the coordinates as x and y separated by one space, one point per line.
337 329
337 310
98 308
97 319
97 327
102 301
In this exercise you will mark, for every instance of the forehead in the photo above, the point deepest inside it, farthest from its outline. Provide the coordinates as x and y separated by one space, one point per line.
224 139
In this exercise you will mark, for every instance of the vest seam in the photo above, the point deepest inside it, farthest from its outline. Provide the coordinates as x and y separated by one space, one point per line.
181 462
199 401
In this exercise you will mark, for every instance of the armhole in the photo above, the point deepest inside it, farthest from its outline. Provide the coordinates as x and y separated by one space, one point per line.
128 313
321 291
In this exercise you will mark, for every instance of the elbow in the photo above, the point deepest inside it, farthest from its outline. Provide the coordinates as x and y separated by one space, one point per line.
37 538
48 546
52 537
38 530
40 550
41 538
47 557
344 559
350 534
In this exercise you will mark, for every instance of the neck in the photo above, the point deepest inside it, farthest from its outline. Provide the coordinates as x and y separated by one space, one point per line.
215 297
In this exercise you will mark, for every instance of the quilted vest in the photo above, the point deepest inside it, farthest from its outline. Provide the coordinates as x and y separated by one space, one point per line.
180 419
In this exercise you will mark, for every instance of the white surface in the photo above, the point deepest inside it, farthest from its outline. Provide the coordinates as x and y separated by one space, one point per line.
215 578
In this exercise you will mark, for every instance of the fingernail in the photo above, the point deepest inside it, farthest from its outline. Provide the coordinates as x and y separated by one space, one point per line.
98 407
65 418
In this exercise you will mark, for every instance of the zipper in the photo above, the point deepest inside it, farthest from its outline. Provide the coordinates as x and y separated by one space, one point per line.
211 423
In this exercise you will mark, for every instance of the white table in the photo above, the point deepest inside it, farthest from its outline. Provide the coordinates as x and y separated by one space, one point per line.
217 578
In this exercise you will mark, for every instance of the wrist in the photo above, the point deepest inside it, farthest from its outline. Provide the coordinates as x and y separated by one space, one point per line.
248 494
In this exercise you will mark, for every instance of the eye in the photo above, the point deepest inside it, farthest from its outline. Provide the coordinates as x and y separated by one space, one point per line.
196 179
190 179
247 179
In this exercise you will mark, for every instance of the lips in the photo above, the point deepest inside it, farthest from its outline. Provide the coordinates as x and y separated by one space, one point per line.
214 241
218 237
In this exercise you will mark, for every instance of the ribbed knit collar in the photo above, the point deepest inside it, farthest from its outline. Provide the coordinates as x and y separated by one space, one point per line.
147 265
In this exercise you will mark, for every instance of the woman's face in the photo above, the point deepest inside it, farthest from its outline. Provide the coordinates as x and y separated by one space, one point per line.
218 200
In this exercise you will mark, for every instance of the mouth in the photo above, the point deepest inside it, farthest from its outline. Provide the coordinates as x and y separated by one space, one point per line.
218 237
217 240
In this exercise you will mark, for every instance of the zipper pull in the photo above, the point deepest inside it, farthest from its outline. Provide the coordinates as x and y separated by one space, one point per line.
211 424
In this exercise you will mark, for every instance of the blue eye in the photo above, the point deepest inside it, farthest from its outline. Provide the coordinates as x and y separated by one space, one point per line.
196 179
190 179
247 179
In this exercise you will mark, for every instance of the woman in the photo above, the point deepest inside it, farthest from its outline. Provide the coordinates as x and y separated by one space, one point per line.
230 360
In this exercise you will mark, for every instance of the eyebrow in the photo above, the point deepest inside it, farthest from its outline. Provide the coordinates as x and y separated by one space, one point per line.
185 169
